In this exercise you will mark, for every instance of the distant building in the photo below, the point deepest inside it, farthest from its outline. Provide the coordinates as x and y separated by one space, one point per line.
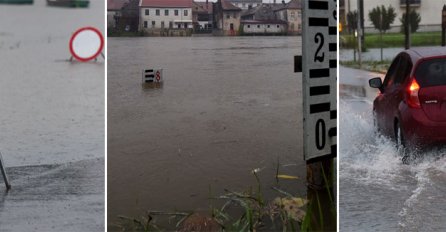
114 12
429 10
123 15
165 14
202 16
261 12
264 27
226 18
290 12
262 20
246 4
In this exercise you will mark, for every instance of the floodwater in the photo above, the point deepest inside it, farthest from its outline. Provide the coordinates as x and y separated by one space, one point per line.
51 121
51 110
227 106
378 192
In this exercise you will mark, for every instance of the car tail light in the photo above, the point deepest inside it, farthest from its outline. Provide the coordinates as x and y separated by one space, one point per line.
412 94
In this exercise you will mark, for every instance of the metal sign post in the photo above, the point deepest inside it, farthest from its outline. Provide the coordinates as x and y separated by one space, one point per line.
443 26
319 75
5 177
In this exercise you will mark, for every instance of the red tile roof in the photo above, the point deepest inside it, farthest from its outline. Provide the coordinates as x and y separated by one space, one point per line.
205 6
115 4
166 3
226 5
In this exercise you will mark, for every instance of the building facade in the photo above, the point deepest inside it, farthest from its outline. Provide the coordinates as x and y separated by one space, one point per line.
114 12
226 18
264 27
165 14
291 12
429 10
203 19
246 4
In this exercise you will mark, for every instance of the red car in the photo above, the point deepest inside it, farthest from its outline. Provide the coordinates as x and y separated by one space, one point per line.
411 105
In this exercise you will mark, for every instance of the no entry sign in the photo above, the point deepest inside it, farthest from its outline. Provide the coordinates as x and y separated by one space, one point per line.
319 75
86 44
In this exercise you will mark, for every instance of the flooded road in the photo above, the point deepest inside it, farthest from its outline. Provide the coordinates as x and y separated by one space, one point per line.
51 121
52 111
227 106
377 191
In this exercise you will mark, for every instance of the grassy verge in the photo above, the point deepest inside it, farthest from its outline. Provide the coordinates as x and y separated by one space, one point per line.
394 40
244 211
373 66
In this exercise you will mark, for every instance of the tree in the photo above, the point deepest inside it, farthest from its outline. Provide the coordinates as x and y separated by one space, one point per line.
352 20
381 17
414 21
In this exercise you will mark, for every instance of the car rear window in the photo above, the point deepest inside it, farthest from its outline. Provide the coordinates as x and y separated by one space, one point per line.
431 72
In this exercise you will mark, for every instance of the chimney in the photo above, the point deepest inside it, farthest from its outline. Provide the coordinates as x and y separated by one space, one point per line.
283 2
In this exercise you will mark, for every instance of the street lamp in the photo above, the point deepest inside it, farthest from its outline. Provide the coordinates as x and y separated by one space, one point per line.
443 26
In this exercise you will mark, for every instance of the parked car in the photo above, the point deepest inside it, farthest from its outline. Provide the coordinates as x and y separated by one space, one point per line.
411 105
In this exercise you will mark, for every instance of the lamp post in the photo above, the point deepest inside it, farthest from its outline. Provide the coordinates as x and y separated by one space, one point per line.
407 26
443 26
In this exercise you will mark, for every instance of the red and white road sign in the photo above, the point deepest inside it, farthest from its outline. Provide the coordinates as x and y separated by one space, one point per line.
86 44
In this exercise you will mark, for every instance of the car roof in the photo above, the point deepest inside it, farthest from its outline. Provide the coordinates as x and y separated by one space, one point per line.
426 52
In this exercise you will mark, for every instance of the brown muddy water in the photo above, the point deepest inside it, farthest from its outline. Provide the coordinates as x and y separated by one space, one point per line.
227 106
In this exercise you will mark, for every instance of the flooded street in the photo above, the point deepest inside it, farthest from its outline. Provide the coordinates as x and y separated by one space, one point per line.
378 192
227 106
51 121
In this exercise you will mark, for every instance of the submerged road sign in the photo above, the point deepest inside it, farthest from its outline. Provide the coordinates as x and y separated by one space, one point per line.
86 44
152 75
3 171
319 75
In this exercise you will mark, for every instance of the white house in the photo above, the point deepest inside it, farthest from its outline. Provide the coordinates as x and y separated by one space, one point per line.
429 10
164 14
264 27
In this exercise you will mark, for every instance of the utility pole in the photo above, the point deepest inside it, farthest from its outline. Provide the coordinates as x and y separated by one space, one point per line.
443 26
358 28
407 26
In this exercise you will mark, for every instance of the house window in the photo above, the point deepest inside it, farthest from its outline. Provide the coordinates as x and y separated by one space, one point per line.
166 12
153 24
145 24
158 12
258 26
278 26
176 12
249 26
268 26
228 16
185 12
162 24
147 11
